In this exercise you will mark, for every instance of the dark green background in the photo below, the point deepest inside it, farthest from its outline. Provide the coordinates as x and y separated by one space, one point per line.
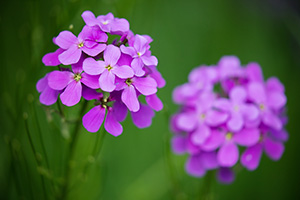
133 166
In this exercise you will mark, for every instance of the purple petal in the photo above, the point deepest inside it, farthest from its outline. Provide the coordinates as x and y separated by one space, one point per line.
209 160
107 81
89 94
272 120
95 50
254 72
42 83
178 144
48 96
222 104
112 125
146 85
143 117
247 137
225 175
280 135
72 94
90 81
93 67
70 56
273 149
58 80
140 43
154 102
195 167
215 118
256 92
137 66
66 39
200 134
120 110
214 141
120 25
89 18
187 121
111 55
238 94
128 50
235 123
130 99
251 157
276 100
123 71
156 75
149 60
228 155
51 59
250 112
93 120
273 84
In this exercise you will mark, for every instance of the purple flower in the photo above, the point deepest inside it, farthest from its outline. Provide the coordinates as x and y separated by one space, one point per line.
93 119
269 102
224 107
48 95
71 83
131 86
87 41
239 110
140 54
108 69
107 23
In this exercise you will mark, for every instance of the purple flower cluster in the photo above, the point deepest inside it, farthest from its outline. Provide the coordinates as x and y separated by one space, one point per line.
113 74
228 114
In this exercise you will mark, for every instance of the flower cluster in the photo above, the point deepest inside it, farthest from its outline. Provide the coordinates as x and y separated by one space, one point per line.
227 110
106 63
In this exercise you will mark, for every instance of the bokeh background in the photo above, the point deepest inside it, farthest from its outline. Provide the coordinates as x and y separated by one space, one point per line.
136 165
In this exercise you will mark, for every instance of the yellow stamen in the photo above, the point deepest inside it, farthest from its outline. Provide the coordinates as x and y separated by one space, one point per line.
228 136
77 77
128 81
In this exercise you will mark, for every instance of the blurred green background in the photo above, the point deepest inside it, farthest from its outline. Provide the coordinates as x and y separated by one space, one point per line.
134 165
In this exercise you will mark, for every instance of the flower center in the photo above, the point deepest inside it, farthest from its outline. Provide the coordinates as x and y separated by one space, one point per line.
109 67
80 45
77 77
105 22
202 116
228 136
236 108
262 106
139 54
128 81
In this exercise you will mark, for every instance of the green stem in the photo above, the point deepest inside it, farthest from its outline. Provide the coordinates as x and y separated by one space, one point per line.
206 187
69 157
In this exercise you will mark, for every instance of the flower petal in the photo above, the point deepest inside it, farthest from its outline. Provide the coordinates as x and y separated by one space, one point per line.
272 120
93 119
93 67
143 117
235 123
251 157
112 125
276 100
215 118
107 81
247 137
238 94
146 85
90 81
228 155
130 99
123 71
137 66
149 60
225 175
48 96
70 56
273 149
209 160
95 50
200 134
178 144
72 94
89 18
154 102
120 111
111 55
51 59
128 50
256 92
214 141
195 167
58 80
65 39
187 121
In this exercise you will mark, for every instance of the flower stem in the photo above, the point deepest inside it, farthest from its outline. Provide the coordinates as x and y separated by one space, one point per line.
206 187
70 154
